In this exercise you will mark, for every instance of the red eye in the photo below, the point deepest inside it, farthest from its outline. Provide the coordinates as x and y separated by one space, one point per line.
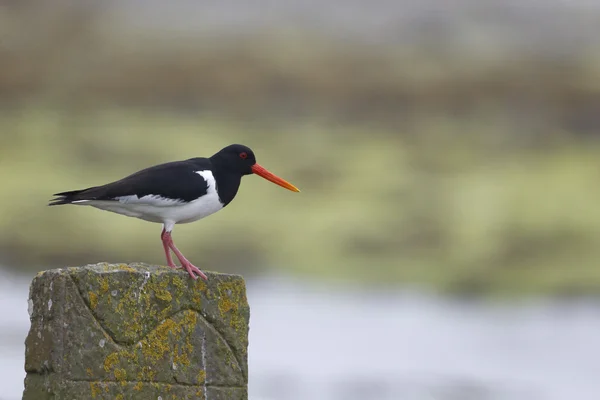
243 155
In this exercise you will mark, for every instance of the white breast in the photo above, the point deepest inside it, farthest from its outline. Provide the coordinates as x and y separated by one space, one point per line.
155 208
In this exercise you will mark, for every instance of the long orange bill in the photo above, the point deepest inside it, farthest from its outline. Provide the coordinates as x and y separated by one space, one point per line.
260 171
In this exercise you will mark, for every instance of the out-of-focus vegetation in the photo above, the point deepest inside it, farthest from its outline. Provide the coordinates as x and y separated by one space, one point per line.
473 172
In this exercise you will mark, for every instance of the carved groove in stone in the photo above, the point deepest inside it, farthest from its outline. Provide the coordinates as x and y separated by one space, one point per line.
205 318
207 323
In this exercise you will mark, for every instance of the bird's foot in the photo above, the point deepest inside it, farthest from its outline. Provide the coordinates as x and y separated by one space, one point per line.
188 266
193 270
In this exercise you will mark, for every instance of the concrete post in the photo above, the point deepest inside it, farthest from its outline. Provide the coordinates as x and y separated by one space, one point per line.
136 332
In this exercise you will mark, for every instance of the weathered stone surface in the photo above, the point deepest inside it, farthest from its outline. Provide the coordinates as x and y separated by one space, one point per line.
136 332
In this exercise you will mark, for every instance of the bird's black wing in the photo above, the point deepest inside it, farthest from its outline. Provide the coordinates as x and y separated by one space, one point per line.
176 181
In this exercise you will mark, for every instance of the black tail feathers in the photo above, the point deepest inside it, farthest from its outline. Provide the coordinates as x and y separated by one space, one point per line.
65 197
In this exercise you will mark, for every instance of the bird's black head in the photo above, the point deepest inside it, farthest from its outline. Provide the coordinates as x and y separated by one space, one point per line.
235 158
240 159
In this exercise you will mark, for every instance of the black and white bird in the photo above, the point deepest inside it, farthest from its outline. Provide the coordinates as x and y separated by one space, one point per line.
177 192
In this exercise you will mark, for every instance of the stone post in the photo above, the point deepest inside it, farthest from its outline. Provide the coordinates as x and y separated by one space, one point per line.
136 332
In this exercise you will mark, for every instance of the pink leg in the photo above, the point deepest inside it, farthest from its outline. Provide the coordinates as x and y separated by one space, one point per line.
185 263
165 240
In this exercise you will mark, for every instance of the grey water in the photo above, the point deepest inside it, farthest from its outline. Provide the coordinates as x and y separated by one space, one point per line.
316 342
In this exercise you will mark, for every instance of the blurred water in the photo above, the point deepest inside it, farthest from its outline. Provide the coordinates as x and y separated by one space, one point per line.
319 343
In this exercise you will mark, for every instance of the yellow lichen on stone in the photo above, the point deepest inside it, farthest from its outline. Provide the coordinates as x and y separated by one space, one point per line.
95 389
231 296
119 397
146 374
115 359
125 267
127 307
200 285
225 303
138 386
120 374
156 345
110 361
93 300
164 295
161 291
202 377
104 284
189 319
137 298
180 287
89 372
180 358
197 300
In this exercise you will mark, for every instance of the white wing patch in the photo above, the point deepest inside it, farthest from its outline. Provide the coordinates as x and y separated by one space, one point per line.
150 199
210 180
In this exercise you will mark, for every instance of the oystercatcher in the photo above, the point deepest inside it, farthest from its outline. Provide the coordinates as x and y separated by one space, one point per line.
177 192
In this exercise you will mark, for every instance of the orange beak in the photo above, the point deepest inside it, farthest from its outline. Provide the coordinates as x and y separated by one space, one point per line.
260 171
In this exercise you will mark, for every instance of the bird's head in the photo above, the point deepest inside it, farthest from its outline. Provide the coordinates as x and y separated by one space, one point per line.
241 159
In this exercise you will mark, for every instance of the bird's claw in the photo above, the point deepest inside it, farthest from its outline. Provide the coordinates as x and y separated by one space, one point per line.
194 271
191 269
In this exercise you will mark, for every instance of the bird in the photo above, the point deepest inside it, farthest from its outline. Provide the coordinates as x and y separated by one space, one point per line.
176 192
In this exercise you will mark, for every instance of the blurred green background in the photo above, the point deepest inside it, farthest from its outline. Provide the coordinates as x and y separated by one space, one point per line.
467 162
